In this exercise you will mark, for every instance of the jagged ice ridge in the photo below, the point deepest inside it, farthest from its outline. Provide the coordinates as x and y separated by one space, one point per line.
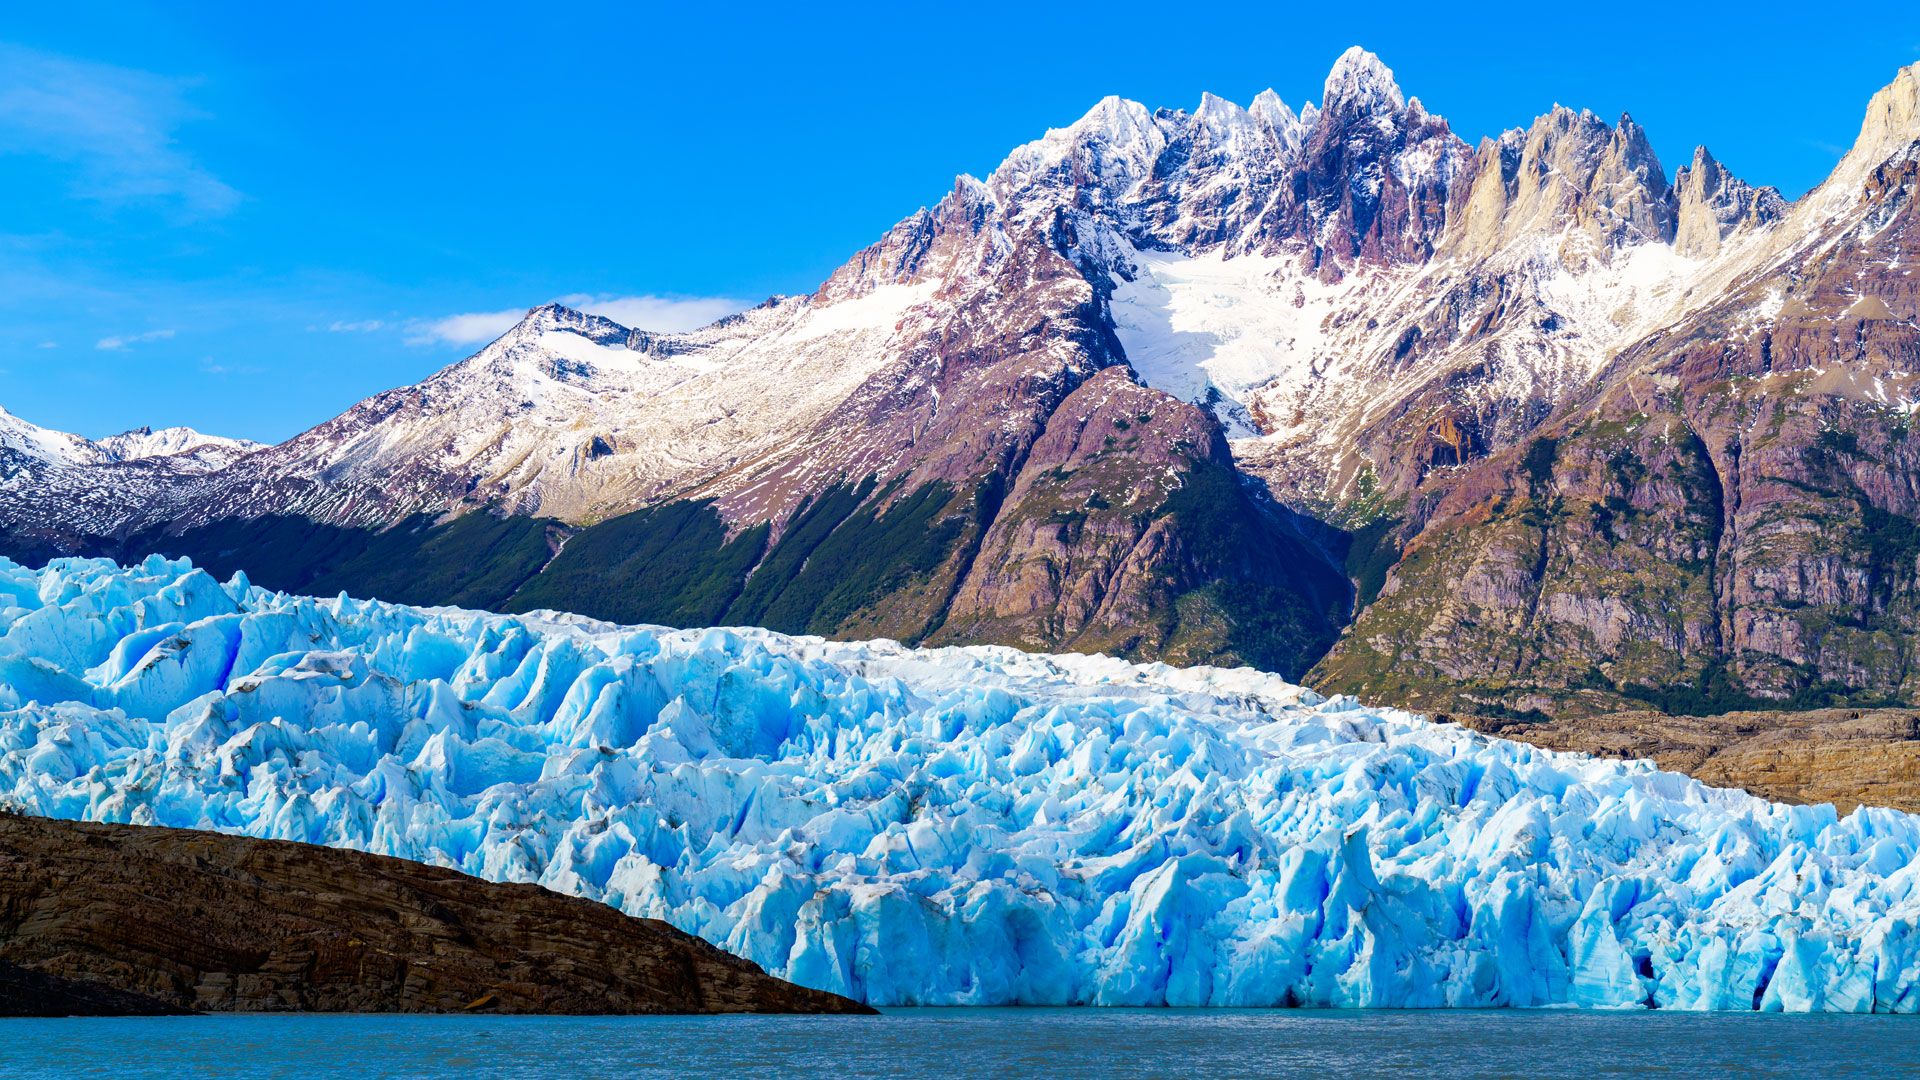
957 826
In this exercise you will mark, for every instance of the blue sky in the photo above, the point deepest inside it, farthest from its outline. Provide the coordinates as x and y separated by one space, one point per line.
244 219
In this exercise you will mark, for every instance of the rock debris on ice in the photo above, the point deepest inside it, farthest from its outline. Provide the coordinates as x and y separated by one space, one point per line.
948 826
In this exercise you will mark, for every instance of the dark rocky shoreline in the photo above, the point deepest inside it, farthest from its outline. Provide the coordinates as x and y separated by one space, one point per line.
120 920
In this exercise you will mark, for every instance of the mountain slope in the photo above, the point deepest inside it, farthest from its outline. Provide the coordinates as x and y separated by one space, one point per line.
1724 518
1119 394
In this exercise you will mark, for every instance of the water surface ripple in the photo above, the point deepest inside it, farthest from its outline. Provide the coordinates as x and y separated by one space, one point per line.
947 1043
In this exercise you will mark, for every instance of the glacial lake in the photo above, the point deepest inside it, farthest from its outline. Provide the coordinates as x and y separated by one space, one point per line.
1027 1044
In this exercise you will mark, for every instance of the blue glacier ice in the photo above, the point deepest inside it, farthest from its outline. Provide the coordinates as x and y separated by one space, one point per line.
953 826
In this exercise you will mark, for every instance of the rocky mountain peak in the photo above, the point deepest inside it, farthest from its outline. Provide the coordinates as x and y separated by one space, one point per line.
1890 128
1360 84
1567 171
1631 188
1711 205
1892 123
595 328
1372 175
1288 129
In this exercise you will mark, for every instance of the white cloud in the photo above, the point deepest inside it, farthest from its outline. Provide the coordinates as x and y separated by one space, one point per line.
472 328
49 344
662 314
364 326
114 343
115 125
209 367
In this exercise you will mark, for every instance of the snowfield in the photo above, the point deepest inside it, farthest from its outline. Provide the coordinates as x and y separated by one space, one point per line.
957 826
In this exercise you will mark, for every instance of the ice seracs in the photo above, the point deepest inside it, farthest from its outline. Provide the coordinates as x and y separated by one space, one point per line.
959 826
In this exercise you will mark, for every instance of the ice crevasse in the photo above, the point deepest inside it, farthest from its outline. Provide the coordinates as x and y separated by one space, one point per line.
950 826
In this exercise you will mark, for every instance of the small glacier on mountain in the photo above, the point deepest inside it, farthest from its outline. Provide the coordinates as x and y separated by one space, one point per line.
952 826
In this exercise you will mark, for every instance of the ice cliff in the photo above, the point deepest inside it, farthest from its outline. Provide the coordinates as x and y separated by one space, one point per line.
971 825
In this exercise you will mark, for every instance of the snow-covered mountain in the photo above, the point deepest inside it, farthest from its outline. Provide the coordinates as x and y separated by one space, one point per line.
192 450
196 451
61 492
1007 420
1305 275
208 451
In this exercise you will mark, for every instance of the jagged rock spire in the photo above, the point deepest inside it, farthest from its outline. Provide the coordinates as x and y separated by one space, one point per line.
1567 171
1711 205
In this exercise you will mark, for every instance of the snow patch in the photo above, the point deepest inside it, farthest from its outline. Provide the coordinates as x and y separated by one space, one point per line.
881 309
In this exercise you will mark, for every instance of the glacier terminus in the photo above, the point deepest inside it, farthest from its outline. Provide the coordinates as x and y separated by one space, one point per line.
968 825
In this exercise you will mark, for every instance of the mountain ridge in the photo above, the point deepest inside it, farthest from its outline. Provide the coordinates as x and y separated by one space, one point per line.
1341 317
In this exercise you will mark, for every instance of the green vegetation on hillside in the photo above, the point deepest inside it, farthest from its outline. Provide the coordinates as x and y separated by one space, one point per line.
1283 603
671 564
475 560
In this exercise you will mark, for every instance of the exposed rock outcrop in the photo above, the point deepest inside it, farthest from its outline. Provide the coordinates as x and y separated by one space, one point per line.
1569 171
1713 206
1846 757
125 919
1725 518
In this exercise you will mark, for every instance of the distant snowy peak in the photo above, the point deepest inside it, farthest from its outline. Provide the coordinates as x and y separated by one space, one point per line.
1106 152
596 328
44 445
145 442
575 416
1288 129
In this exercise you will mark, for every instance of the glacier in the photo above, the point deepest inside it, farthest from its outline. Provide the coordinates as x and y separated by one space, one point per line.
952 826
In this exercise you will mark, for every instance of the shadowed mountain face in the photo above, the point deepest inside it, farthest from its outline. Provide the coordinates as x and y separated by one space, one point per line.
1532 425
130 920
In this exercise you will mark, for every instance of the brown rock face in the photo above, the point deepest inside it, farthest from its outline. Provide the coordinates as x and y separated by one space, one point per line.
122 919
1127 531
1844 757
1725 519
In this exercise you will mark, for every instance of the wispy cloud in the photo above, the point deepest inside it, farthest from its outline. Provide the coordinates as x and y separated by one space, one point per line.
665 314
209 367
471 328
116 343
364 326
115 125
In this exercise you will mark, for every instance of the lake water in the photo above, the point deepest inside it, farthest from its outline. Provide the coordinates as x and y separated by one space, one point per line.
957 1043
